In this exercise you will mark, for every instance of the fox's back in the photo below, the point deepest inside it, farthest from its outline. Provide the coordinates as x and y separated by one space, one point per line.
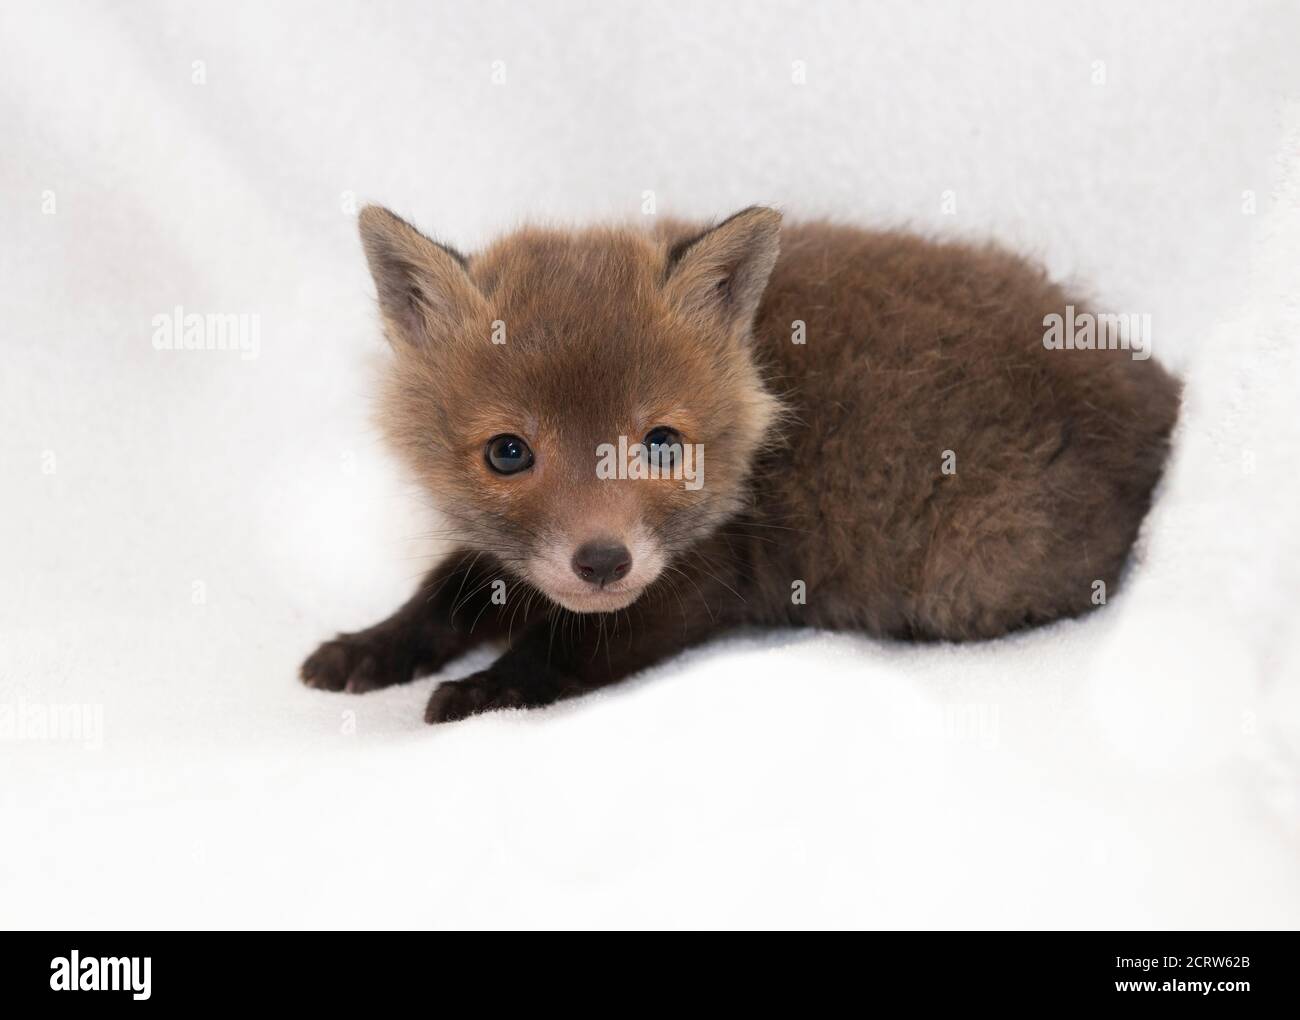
943 473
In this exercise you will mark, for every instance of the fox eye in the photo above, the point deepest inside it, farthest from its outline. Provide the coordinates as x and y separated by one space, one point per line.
663 444
508 455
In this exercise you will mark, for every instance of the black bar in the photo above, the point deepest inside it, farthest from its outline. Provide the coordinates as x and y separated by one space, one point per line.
333 971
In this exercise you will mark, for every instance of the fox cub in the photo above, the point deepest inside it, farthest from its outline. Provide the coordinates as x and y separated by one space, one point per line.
641 438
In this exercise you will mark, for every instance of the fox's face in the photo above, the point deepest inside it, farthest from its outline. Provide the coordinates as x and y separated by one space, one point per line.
582 406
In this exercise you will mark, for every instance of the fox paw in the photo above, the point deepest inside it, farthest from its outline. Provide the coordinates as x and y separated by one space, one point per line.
496 688
356 664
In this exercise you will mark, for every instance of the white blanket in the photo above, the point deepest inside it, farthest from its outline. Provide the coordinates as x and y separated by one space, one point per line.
179 528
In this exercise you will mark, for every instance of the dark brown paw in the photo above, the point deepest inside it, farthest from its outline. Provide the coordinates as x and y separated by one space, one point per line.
494 688
480 692
355 664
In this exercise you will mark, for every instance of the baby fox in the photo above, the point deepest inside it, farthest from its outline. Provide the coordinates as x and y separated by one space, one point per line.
642 438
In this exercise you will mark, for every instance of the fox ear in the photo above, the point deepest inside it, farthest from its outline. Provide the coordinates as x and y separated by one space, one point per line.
720 275
424 288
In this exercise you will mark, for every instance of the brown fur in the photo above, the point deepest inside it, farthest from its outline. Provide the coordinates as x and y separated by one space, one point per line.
823 459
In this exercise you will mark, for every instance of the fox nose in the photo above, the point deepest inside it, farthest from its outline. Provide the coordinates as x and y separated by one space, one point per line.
601 562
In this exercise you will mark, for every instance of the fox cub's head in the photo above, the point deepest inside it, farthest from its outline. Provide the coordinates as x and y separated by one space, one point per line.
581 405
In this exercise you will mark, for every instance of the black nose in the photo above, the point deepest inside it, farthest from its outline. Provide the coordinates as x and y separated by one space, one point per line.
602 562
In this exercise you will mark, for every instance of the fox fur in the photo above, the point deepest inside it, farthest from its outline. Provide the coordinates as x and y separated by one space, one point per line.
889 447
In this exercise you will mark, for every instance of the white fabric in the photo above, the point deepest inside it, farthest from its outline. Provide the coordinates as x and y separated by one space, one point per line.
178 529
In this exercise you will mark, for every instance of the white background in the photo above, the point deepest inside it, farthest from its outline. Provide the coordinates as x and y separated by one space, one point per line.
179 529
